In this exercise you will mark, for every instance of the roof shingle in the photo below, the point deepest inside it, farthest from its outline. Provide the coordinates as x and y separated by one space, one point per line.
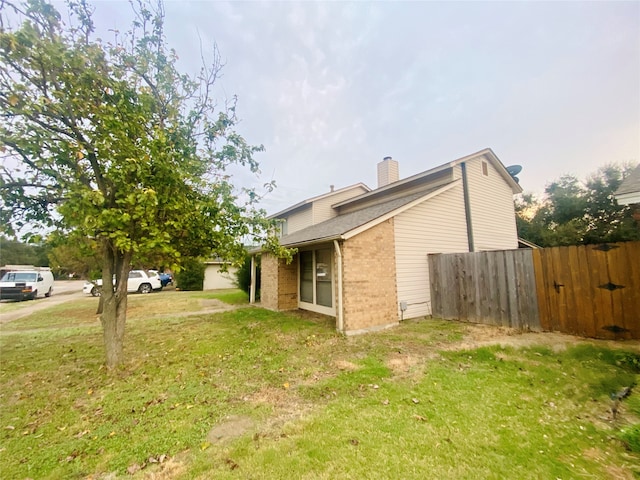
337 226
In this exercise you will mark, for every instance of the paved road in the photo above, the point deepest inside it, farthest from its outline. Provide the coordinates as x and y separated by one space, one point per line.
63 291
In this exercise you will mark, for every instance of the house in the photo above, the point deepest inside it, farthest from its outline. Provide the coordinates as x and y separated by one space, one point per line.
628 192
215 278
362 253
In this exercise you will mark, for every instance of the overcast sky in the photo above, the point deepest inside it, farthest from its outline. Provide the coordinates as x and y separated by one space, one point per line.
330 88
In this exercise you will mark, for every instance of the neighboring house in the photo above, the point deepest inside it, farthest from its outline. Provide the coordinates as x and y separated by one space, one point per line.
215 278
522 243
629 191
362 253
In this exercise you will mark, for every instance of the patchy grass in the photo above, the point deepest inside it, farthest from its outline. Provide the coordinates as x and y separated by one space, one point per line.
230 296
251 393
7 306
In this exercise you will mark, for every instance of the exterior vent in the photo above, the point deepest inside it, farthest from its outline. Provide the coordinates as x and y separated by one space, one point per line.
388 172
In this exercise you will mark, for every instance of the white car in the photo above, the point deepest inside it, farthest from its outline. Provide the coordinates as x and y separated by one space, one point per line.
142 281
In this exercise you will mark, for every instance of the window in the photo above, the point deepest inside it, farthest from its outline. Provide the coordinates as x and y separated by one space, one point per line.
19 277
282 227
316 280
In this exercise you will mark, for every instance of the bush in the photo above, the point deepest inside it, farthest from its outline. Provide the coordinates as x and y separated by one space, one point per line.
243 276
191 276
631 438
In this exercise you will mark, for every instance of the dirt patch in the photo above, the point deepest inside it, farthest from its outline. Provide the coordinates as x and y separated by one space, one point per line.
171 468
212 303
618 473
402 364
278 397
486 335
317 318
287 407
232 427
210 306
344 365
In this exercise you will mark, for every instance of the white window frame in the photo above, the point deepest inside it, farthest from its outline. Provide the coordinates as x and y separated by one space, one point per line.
282 227
314 307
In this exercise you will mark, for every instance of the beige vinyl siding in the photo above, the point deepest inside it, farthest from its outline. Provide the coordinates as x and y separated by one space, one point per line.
434 226
492 210
300 219
439 178
322 208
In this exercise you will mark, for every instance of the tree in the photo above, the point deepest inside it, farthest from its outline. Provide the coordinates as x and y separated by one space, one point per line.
13 252
575 213
80 257
243 276
110 142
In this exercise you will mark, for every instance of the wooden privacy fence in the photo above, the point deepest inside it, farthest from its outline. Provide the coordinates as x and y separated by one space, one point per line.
591 290
498 288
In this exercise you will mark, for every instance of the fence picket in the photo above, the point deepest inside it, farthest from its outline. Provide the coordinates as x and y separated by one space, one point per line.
585 290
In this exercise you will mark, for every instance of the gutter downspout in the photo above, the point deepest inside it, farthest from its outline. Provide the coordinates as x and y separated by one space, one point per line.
467 206
252 288
339 317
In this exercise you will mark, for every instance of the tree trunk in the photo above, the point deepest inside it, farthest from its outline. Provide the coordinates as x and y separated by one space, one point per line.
115 272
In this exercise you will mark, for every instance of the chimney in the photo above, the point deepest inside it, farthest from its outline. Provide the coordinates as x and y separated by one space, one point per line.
387 172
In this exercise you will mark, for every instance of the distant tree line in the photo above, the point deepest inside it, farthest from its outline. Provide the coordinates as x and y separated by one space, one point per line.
574 212
13 252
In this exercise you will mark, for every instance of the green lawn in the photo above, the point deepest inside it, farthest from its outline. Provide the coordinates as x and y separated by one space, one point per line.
293 399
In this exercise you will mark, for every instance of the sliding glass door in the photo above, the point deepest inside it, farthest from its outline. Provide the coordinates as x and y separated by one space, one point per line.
316 280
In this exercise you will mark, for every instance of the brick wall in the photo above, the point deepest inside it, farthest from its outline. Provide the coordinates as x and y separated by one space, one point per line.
369 279
279 283
269 281
288 284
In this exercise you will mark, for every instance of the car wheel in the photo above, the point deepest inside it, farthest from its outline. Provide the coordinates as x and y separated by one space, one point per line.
96 292
145 288
48 294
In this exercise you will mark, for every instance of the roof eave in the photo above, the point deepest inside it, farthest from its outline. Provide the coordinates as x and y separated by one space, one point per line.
627 198
309 201
493 158
315 241
497 164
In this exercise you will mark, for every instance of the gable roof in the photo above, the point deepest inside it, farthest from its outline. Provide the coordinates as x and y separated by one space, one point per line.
309 201
433 172
629 190
349 224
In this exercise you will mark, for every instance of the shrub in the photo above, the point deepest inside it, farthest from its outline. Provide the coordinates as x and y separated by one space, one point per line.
243 276
191 276
631 438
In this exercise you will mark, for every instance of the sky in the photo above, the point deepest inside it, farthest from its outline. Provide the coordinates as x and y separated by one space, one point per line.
330 88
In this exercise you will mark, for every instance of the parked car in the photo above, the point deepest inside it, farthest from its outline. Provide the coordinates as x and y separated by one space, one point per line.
141 281
165 278
26 282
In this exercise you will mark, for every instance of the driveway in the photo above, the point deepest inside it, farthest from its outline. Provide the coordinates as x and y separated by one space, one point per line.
63 291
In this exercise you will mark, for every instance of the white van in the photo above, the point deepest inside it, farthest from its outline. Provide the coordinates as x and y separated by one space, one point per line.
25 282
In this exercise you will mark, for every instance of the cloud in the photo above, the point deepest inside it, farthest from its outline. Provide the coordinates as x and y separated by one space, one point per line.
331 87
